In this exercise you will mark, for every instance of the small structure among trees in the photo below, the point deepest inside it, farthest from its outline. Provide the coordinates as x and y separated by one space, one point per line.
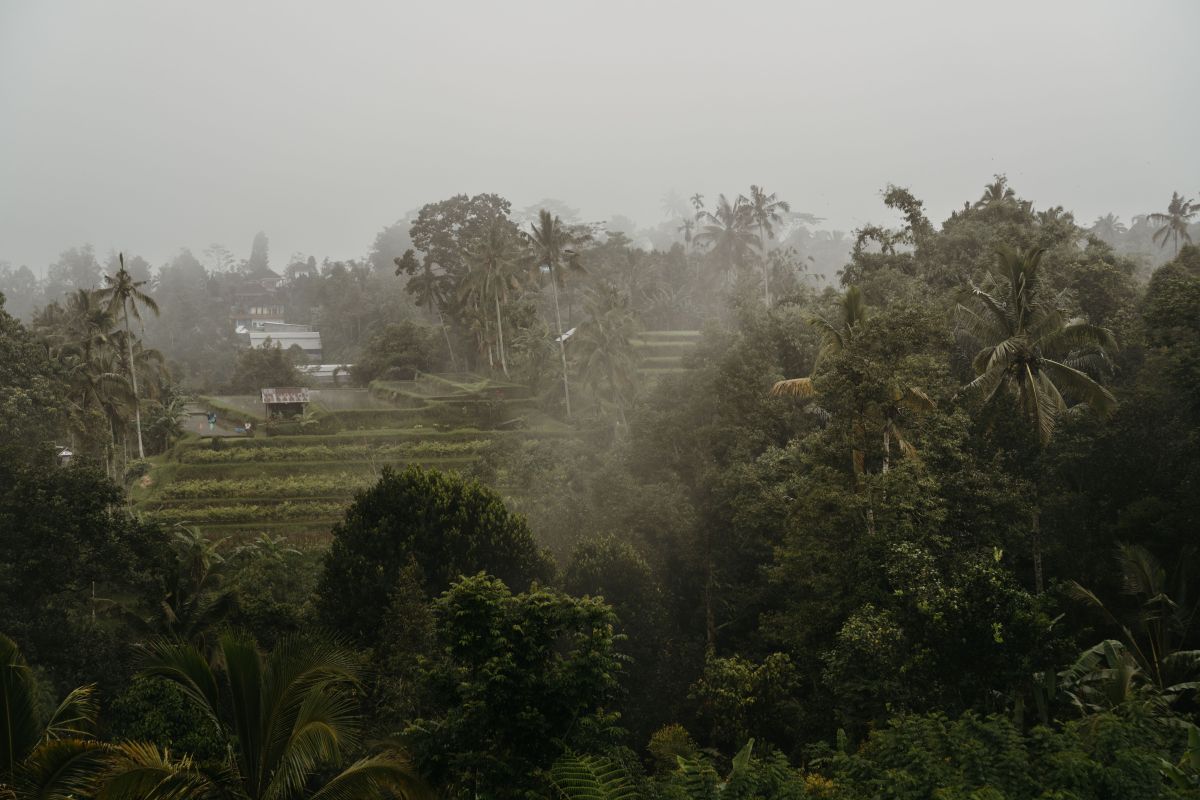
285 402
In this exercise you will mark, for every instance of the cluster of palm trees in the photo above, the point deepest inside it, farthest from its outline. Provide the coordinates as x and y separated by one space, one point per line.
107 369
507 265
1172 224
737 233
1028 350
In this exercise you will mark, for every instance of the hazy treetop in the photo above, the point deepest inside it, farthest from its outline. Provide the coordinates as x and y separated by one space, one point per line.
148 125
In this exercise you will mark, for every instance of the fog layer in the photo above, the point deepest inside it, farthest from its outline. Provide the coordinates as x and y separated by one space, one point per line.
149 126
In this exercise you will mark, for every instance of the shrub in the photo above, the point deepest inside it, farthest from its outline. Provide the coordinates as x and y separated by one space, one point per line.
450 526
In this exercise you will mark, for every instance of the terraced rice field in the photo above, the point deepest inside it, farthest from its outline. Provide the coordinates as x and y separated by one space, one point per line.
662 352
296 479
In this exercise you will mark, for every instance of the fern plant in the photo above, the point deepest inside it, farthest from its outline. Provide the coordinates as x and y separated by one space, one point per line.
589 777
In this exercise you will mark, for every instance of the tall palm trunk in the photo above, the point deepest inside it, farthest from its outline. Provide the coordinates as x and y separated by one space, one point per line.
454 361
887 448
137 403
1037 551
762 233
562 345
500 334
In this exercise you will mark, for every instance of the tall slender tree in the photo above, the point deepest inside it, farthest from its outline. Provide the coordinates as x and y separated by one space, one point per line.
727 229
1175 222
765 211
608 361
1033 352
493 278
125 294
429 286
553 247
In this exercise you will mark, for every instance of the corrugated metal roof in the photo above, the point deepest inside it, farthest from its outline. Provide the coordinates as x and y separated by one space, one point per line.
285 339
288 394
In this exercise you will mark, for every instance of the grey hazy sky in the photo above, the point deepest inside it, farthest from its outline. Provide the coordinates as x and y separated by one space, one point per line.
148 126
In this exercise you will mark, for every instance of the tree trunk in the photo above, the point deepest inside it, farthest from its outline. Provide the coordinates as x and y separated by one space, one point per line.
562 345
137 404
1037 552
446 333
500 333
762 233
710 617
887 449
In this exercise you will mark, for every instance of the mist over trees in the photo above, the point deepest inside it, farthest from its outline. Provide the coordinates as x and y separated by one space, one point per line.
751 509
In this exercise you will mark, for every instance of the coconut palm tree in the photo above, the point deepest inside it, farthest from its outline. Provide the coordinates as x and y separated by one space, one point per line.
672 205
835 337
765 211
1175 222
727 229
289 719
607 357
553 248
1033 352
493 277
1108 228
891 413
686 227
429 288
1030 348
998 191
124 293
697 201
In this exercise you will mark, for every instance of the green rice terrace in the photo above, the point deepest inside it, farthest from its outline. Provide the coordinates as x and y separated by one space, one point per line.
295 477
662 352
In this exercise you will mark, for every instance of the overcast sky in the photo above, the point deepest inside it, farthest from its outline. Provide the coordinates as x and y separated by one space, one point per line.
147 126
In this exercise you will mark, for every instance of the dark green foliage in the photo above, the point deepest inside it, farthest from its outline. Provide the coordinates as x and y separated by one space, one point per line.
67 547
264 367
517 678
273 585
396 353
951 637
31 394
449 525
156 710
935 756
616 572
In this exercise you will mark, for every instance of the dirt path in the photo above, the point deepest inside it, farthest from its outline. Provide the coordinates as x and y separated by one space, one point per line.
197 422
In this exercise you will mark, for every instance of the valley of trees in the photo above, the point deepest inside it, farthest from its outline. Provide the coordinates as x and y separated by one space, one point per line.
913 519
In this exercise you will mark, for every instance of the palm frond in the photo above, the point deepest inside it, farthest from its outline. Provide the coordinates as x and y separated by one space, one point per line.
75 716
980 327
793 387
144 772
186 667
1078 333
1141 573
1042 402
385 775
986 384
1082 386
20 728
64 769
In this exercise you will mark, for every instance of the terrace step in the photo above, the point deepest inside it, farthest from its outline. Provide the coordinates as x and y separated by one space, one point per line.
251 468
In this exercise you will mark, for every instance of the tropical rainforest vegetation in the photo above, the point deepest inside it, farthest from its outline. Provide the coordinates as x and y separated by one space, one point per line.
911 514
